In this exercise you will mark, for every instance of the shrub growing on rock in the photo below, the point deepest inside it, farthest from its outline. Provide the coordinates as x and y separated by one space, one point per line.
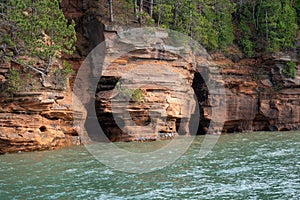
290 69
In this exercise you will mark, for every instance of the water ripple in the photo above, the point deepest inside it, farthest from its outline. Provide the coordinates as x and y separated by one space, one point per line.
241 166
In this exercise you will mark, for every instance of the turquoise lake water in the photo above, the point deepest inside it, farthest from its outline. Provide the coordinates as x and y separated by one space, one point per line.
262 165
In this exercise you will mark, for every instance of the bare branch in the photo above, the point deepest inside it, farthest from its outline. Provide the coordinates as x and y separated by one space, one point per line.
33 68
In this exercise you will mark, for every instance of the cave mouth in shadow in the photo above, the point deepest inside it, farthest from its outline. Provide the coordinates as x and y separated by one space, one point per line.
111 127
201 92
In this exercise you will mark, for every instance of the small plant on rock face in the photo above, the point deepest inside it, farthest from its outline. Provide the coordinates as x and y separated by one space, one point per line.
14 82
135 95
290 69
61 76
30 84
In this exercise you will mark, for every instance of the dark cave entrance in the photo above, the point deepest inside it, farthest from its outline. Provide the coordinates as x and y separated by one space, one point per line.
201 92
263 123
112 125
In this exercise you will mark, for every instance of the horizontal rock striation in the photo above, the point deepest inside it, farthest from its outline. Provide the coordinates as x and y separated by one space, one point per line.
36 121
146 93
259 96
150 88
256 96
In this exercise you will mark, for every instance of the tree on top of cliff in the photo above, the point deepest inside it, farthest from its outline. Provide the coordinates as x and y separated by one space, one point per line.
256 26
267 26
277 24
40 30
208 22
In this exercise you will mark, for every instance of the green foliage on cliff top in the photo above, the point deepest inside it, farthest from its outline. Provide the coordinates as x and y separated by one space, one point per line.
33 35
256 26
208 23
40 28
276 25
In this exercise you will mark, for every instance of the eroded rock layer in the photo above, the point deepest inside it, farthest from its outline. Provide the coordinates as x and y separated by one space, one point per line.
145 93
259 96
256 96
36 121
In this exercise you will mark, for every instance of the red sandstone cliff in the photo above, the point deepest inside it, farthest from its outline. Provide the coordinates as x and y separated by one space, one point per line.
258 96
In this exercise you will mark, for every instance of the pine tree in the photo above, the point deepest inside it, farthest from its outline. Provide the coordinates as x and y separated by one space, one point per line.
269 25
245 15
210 23
162 13
41 29
277 24
296 6
223 22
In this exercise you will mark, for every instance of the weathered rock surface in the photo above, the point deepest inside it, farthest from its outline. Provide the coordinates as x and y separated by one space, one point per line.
259 97
159 109
36 121
145 94
256 96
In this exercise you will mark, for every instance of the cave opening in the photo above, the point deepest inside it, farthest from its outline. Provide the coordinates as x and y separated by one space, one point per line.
263 123
112 125
201 92
105 119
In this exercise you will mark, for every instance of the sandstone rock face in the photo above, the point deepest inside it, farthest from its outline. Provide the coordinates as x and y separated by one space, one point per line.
256 96
36 121
160 105
144 93
282 110
259 97
89 27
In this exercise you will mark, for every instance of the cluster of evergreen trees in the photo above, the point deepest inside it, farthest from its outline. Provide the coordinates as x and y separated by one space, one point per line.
40 28
269 25
35 29
255 25
207 21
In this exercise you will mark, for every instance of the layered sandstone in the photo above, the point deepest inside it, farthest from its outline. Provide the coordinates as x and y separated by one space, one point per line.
145 64
256 96
32 121
259 97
